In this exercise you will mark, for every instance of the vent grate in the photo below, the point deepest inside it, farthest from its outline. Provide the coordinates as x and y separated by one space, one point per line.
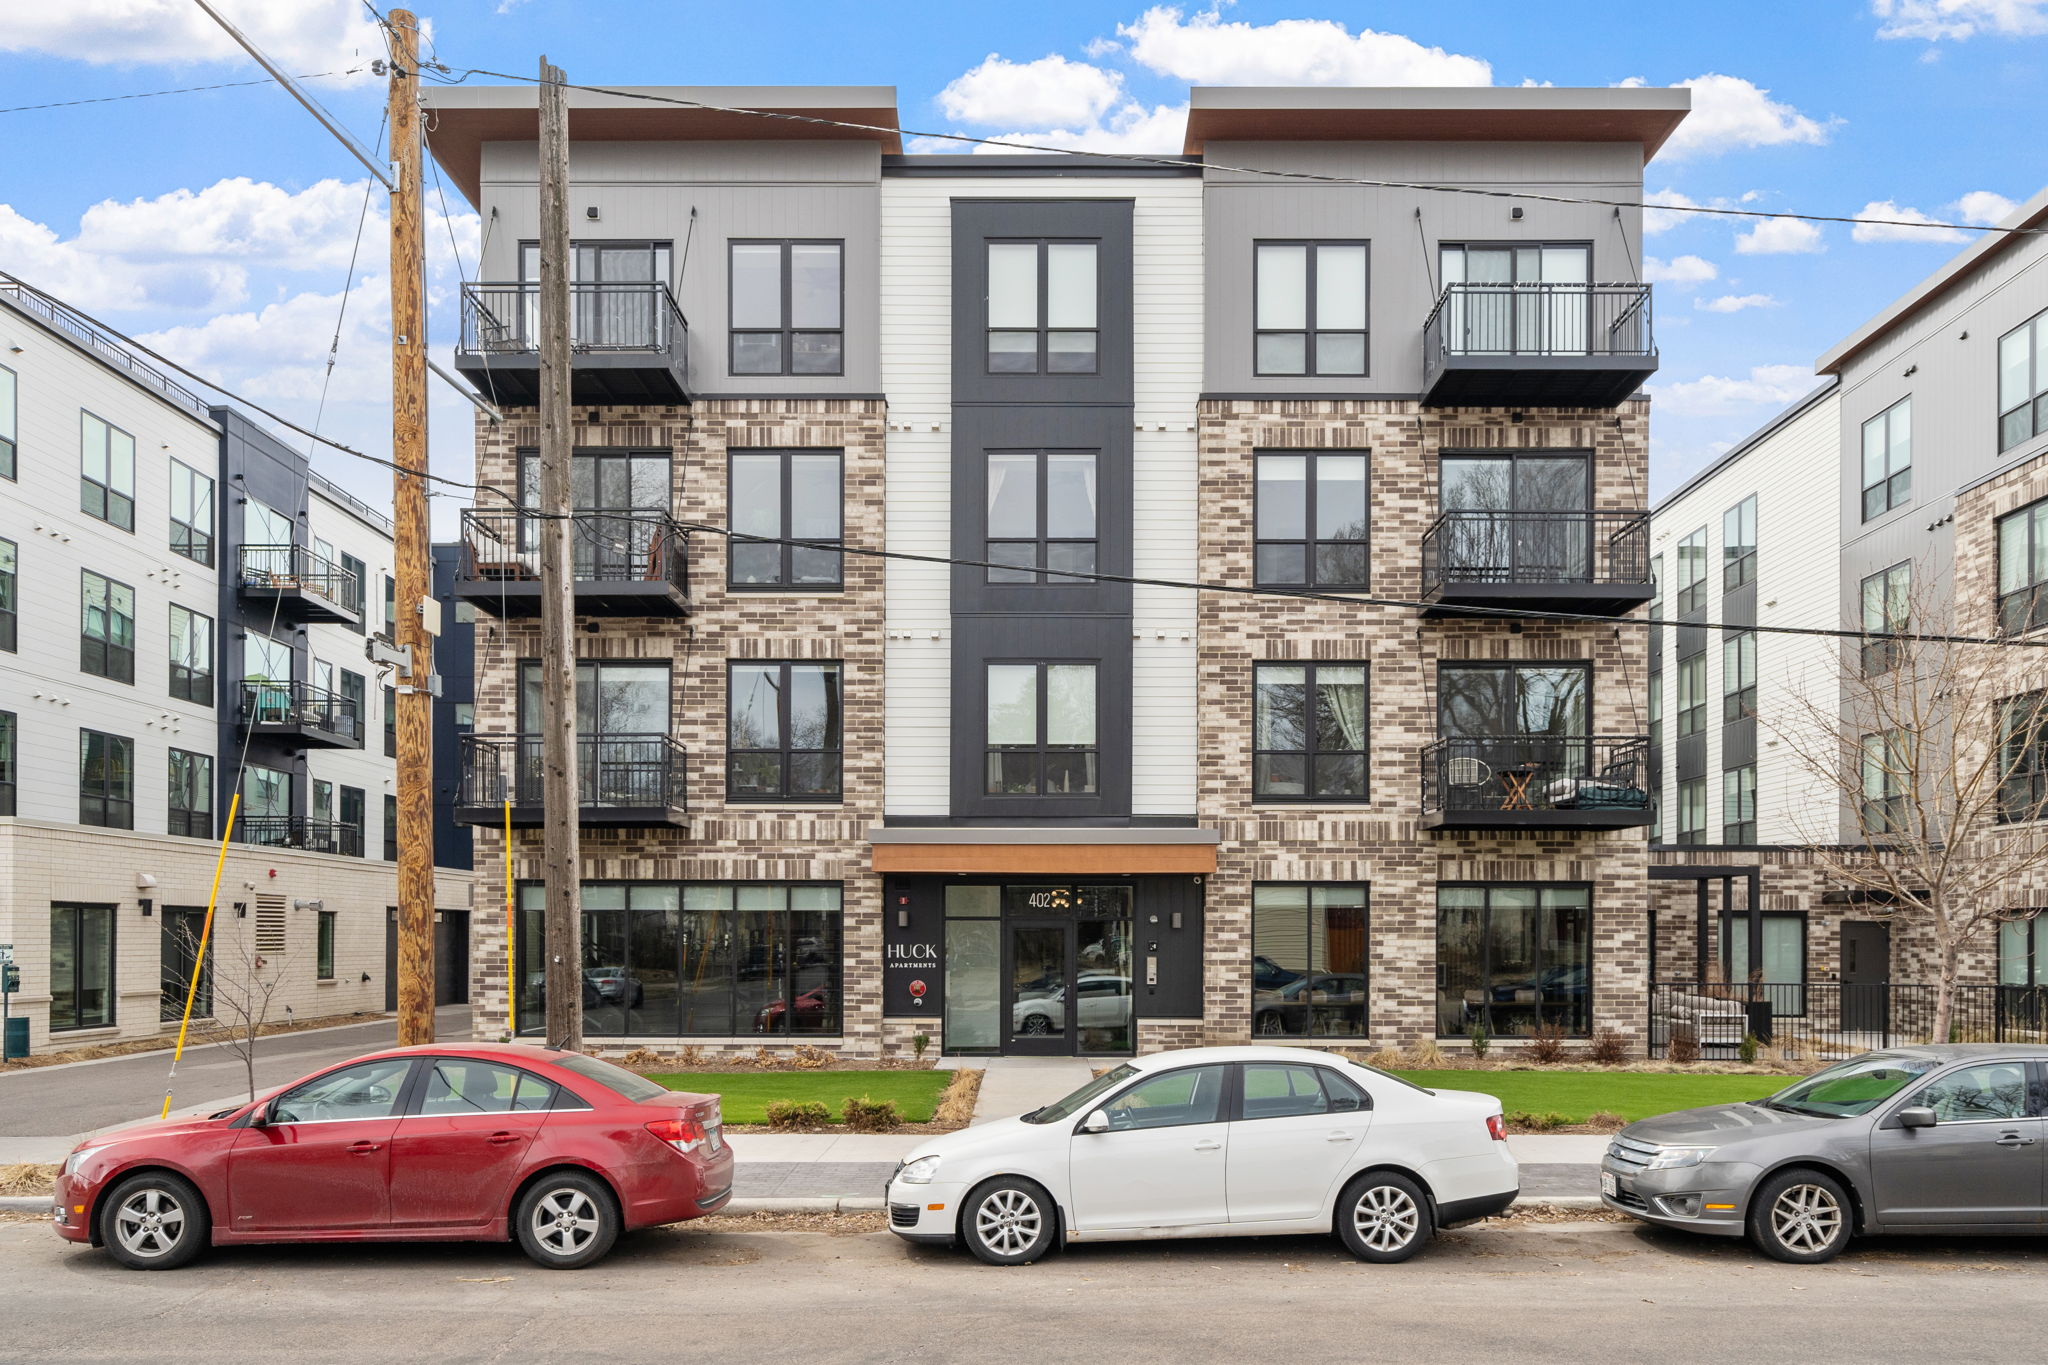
270 924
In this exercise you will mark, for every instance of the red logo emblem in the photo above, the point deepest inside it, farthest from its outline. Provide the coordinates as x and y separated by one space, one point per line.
917 989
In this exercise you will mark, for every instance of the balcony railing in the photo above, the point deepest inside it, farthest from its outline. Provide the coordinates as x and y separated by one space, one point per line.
1504 342
303 710
295 572
1537 781
623 780
623 563
104 346
296 831
1585 559
626 337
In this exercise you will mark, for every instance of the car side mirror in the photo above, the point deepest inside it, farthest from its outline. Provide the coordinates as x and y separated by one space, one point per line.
261 1117
1096 1122
1919 1116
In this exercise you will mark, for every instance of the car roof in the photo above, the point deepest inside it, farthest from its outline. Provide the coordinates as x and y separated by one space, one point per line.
1196 1056
530 1053
1956 1052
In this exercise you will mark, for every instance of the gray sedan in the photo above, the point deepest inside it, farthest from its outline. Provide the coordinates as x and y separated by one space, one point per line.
1937 1139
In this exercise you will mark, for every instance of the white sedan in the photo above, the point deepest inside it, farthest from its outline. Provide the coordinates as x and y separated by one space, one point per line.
1215 1142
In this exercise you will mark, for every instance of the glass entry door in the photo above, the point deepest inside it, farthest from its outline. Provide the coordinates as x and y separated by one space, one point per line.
1066 973
1040 966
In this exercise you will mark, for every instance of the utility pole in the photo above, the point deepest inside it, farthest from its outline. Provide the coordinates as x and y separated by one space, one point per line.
561 856
414 584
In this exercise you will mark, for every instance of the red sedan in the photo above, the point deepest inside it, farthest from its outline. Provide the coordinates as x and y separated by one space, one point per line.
465 1142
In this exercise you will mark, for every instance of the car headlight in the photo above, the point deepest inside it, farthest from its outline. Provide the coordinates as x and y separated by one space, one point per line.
1674 1158
920 1171
71 1162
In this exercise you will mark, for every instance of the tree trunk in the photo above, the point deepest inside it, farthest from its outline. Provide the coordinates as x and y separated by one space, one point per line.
1945 992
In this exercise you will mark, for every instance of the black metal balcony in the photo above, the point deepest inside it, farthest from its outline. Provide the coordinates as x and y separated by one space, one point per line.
303 585
1537 345
301 714
624 781
628 342
1593 562
296 831
1555 782
622 563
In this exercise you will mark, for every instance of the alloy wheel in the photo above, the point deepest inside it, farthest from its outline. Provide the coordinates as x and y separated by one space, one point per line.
1386 1218
564 1221
150 1223
1806 1218
1008 1222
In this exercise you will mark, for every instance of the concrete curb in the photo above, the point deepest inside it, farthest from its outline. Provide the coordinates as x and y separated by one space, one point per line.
25 1203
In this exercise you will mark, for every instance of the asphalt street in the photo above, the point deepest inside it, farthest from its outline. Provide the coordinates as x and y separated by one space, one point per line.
1527 1293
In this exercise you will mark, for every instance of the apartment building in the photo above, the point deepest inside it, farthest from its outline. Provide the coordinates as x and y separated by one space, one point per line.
1032 794
180 622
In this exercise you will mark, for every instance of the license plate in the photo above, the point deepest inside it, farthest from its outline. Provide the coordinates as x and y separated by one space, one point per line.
1608 1186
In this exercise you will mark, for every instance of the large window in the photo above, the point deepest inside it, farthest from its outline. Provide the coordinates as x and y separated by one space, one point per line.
1888 459
81 967
179 960
783 732
191 656
1041 729
1309 960
2023 382
1738 805
1309 732
9 469
106 644
1692 572
1692 695
1311 306
10 587
1692 811
106 480
695 959
1512 958
1481 700
1886 772
1738 676
191 794
2023 569
1738 544
1043 303
620 500
785 495
2023 951
106 780
1041 511
787 308
1516 518
2023 758
1312 520
1887 610
1783 962
1517 298
192 514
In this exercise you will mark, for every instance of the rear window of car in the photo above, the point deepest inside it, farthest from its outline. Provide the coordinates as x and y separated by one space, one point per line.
616 1079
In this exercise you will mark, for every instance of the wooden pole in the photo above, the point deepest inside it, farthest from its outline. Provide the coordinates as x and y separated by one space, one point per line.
414 701
560 855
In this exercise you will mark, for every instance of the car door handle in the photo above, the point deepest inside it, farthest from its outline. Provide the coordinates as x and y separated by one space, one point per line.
2014 1140
1338 1137
363 1148
1208 1146
500 1139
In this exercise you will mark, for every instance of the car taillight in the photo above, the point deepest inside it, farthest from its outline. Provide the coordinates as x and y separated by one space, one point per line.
1496 1128
685 1135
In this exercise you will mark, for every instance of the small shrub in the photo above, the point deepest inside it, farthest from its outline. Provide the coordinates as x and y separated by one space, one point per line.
690 1058
1605 1122
1748 1049
1387 1059
642 1059
793 1116
1548 1121
1546 1045
770 1060
1611 1049
1685 1045
864 1115
1427 1056
918 1043
1480 1042
808 1057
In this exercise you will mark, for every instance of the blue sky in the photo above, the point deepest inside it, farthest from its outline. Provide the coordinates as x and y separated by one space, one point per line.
220 224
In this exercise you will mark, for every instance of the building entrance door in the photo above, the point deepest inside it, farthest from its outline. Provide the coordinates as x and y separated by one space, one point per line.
1066 973
1866 972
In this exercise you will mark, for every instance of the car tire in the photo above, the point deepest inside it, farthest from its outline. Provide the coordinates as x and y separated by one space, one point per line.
1009 1222
1384 1218
1800 1216
1037 1025
565 1220
154 1221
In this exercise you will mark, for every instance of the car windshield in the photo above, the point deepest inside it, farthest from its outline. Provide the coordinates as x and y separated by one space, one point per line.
616 1079
1854 1087
1083 1099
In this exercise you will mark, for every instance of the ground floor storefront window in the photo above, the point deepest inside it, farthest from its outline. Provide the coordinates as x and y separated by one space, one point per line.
1781 970
1511 958
695 959
1309 960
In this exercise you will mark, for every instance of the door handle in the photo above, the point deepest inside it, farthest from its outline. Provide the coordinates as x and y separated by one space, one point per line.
363 1148
2014 1140
1208 1146
1338 1137
500 1139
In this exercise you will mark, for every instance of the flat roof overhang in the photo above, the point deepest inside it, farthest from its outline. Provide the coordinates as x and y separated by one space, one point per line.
1645 115
1052 851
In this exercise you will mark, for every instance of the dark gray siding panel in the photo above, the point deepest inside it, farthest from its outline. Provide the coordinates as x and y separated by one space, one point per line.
975 223
1104 641
1738 743
1177 950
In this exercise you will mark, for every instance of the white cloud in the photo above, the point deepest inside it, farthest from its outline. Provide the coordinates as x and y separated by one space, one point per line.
1780 237
1734 303
306 36
278 353
1934 20
1201 48
1765 385
1679 270
1663 220
1130 128
1050 92
1983 206
1892 231
1729 112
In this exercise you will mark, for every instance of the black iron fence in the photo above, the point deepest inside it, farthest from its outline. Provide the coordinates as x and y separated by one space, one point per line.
614 772
1538 320
1536 773
301 706
623 315
1536 548
604 547
295 831
1820 1019
294 567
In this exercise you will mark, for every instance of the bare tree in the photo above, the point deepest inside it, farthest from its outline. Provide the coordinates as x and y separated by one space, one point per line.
243 985
1937 753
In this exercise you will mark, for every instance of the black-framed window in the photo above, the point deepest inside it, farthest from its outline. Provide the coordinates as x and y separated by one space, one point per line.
106 477
1738 676
323 946
620 301
1513 957
10 596
1485 700
1738 805
353 811
1309 731
1888 459
1042 729
1887 610
191 794
1041 511
1516 516
9 416
391 722
1044 306
2023 569
355 691
1692 695
787 303
1784 957
179 960
81 967
621 500
1692 810
191 655
2023 382
784 731
2023 951
1692 572
390 828
10 760
1310 307
785 494
1309 959
390 607
106 780
1312 522
1738 544
192 514
351 565
697 959
1886 762
2023 758
106 637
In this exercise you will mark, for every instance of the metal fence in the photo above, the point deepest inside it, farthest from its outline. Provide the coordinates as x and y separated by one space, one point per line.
293 831
1536 773
1821 1019
1538 320
1536 548
274 567
627 315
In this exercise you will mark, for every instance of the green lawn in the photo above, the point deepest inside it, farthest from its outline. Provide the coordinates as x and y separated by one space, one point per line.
745 1095
1579 1094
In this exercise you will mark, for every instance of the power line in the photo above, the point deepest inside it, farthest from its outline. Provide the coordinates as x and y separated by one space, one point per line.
182 90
